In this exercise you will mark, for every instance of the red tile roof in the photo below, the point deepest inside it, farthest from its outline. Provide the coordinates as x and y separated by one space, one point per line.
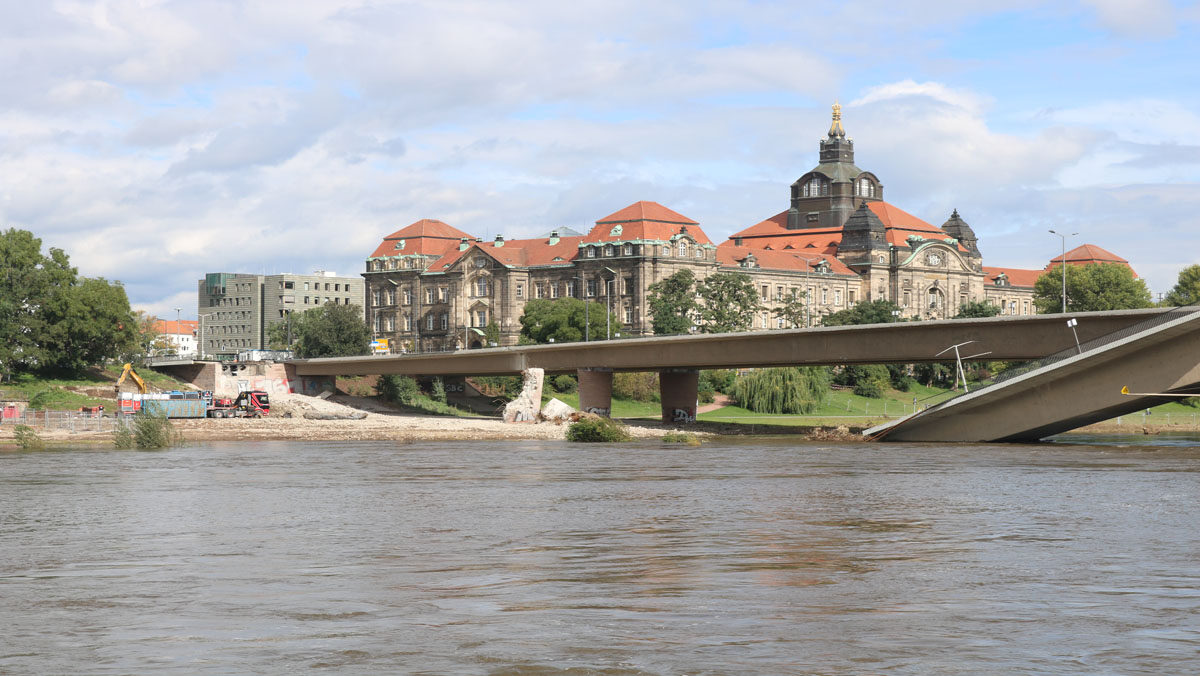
1087 254
1016 276
768 259
518 252
645 221
426 236
181 327
899 224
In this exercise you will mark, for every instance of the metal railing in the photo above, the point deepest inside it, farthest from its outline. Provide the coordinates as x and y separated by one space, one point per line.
74 422
1082 348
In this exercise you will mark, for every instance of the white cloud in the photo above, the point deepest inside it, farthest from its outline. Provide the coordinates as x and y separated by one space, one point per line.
1135 18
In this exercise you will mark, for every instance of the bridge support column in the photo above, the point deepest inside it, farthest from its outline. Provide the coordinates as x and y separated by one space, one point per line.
678 390
595 390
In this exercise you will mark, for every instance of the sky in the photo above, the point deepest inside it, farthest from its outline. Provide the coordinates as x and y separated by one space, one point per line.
157 141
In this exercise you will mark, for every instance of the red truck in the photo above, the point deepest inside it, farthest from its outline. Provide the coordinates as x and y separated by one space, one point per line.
250 404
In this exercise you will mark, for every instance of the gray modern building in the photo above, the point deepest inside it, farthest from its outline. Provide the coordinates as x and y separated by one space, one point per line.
235 309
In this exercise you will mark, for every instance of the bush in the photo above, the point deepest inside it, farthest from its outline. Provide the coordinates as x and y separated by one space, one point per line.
901 380
636 386
27 439
149 431
681 438
706 396
397 389
565 384
719 380
597 429
782 390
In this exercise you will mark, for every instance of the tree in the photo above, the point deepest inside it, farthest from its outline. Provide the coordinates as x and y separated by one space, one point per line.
867 312
672 304
563 320
977 309
782 390
491 333
794 310
730 302
51 320
1187 289
1091 288
330 331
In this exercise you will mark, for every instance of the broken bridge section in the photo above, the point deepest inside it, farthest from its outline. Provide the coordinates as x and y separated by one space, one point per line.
1076 387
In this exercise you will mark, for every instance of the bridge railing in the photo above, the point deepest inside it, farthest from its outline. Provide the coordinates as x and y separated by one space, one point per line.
1082 348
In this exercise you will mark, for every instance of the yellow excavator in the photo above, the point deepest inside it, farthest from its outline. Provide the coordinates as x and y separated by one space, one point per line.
126 372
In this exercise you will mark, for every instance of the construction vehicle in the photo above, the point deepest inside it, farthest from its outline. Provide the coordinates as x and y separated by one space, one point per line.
126 372
249 404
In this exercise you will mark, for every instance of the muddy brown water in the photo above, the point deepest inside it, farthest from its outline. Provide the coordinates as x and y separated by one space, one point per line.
536 557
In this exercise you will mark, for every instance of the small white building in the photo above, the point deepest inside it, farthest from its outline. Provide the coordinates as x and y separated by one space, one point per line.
180 335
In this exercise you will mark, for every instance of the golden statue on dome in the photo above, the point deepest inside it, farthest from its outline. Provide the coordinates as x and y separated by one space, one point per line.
835 129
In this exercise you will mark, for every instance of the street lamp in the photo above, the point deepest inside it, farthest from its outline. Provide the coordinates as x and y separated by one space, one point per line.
200 346
1064 237
807 296
177 342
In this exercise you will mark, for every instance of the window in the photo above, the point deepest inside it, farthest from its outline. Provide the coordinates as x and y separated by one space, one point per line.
1025 311
608 250
289 285
837 296
408 322
326 286
628 282
306 286
306 300
442 293
429 298
628 249
391 323
766 322
391 297
429 321
666 251
481 286
445 321
520 289
408 296
628 315
682 249
337 287
699 252
763 291
852 295
591 252
571 288
906 299
553 290
377 298
591 288
779 322
538 292
824 296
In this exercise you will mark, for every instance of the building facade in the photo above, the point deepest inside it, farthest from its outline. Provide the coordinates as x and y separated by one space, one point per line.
235 310
179 335
430 286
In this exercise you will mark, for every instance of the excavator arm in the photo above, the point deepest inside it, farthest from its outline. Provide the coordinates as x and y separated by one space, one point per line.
128 371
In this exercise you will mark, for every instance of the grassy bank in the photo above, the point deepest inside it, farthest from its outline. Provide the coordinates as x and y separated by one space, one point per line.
93 388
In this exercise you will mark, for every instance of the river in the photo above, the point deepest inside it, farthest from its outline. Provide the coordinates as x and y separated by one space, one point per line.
753 556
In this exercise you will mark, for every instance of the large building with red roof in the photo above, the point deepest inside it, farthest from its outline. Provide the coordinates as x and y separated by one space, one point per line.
431 286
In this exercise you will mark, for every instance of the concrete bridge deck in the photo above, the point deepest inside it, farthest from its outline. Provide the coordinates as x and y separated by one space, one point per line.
1068 390
1007 338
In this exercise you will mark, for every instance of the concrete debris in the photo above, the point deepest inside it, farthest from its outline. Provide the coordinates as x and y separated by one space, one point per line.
557 411
528 404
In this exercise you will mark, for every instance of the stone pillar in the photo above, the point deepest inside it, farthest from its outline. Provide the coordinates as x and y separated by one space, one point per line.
595 391
528 404
678 389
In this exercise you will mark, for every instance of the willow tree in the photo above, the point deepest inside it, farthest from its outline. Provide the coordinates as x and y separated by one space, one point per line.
787 389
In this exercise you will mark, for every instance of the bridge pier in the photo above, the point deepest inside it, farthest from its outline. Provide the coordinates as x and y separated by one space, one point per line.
595 390
678 390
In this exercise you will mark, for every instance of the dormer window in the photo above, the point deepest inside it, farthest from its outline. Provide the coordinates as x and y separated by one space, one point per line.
591 252
608 250
816 187
628 250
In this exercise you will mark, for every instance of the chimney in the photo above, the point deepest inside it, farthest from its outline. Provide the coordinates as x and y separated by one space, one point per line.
463 244
499 241
553 237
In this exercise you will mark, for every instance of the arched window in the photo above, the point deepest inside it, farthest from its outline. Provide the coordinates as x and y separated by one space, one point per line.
682 249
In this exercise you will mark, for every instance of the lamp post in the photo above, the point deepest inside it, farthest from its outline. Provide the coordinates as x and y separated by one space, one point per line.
177 342
1063 262
200 346
807 296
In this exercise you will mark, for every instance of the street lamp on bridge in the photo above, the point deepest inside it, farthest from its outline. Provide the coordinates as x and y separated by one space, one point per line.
1064 237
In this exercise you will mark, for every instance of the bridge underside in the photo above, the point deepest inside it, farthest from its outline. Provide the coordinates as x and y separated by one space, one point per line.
1072 393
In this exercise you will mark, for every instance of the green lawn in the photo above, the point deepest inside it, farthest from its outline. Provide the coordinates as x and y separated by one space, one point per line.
621 408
